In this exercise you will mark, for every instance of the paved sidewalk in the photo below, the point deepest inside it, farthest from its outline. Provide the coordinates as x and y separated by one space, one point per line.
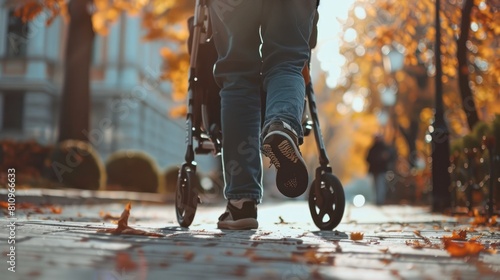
286 246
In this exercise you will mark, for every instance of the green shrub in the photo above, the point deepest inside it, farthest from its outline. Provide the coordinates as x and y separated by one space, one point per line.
480 130
495 131
471 142
457 147
132 171
76 164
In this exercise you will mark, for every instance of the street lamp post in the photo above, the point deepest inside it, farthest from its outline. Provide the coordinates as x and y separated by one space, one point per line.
393 61
440 135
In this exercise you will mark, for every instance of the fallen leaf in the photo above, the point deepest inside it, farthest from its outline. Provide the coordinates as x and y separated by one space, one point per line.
32 207
356 235
386 261
460 235
281 222
56 210
491 251
475 238
123 227
384 250
479 220
314 257
462 249
493 221
415 244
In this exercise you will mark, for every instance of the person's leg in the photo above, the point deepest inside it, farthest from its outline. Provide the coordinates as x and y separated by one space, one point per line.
286 29
381 188
236 35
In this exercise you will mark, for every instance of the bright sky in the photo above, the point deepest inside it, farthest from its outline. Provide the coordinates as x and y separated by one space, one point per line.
329 29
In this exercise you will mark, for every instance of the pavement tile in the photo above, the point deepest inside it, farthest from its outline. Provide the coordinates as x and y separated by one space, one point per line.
287 245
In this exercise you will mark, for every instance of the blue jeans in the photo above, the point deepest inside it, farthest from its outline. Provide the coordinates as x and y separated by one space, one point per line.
246 66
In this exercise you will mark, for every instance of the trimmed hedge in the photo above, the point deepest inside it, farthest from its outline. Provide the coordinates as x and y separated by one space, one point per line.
132 171
471 155
75 164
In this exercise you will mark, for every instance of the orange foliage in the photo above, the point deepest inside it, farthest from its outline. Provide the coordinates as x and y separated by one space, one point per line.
27 10
409 28
177 71
161 19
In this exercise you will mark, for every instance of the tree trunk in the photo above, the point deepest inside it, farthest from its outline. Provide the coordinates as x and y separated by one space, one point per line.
410 135
468 103
75 97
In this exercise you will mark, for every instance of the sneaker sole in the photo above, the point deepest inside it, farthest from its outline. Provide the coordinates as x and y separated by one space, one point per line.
241 224
291 177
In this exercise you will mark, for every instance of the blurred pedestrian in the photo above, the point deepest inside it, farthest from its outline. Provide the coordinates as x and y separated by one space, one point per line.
380 157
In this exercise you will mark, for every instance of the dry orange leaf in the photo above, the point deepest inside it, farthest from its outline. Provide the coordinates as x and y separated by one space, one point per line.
30 206
493 220
460 235
462 249
123 227
314 257
479 220
384 250
415 244
356 235
55 210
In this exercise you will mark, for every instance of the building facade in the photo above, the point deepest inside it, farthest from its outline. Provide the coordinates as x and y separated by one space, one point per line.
125 71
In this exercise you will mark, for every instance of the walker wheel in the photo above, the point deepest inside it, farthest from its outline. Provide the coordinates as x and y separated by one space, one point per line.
327 207
186 196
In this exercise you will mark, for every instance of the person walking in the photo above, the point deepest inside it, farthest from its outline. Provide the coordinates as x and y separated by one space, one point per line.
261 45
379 157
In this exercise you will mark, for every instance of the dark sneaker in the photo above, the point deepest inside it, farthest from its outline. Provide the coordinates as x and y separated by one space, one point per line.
240 214
280 145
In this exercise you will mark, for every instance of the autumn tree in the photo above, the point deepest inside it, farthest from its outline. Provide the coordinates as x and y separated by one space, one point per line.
86 18
376 28
477 55
75 95
74 113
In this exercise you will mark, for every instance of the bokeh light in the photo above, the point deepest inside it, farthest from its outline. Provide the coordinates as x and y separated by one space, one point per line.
359 200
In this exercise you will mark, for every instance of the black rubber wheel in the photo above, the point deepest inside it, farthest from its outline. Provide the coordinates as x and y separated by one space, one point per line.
328 215
186 196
